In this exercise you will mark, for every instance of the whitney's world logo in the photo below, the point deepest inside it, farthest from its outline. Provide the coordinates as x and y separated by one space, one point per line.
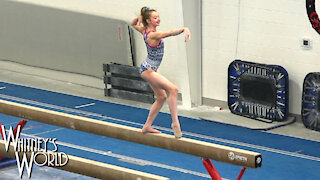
36 148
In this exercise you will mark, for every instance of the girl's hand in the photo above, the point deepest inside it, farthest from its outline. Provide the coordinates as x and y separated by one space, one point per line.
137 24
140 19
187 34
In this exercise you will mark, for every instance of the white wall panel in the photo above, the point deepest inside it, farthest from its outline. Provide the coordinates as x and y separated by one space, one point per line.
269 32
219 28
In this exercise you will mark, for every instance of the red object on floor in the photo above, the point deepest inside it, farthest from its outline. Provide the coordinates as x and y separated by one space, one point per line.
211 169
1 130
22 123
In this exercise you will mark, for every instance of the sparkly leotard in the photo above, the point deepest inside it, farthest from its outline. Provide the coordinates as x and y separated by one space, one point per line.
155 54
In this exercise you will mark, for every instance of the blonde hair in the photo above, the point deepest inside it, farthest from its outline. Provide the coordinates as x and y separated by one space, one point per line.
146 13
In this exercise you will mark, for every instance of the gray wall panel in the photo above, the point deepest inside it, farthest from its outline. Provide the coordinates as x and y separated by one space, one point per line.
61 40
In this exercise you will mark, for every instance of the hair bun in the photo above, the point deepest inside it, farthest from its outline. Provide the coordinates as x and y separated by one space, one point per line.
145 13
143 10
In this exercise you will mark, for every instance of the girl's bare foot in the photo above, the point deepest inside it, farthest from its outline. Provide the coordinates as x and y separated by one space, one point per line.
176 130
149 129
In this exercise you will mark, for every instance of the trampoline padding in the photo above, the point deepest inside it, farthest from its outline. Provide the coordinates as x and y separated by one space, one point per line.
258 90
310 110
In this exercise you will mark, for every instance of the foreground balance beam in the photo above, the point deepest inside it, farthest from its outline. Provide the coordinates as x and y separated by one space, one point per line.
89 167
185 145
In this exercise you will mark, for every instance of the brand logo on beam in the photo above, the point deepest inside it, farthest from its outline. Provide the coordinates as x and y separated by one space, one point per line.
232 156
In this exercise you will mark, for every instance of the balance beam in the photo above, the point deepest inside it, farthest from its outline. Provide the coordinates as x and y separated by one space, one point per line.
185 145
88 167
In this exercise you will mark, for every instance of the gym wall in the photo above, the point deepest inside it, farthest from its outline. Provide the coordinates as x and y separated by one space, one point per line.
260 31
87 20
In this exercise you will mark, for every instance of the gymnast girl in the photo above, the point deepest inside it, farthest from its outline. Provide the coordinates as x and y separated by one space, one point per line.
147 24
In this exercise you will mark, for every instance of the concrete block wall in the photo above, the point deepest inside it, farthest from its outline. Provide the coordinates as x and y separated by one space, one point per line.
219 43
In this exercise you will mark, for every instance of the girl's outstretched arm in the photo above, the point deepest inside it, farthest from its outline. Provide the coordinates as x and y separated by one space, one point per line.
136 23
173 32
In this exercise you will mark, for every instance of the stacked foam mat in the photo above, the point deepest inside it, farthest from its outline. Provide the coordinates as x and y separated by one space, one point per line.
126 83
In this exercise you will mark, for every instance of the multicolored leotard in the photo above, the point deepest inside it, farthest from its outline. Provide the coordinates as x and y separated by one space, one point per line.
155 54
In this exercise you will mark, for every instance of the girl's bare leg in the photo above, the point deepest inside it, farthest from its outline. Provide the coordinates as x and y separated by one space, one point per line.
157 81
154 110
